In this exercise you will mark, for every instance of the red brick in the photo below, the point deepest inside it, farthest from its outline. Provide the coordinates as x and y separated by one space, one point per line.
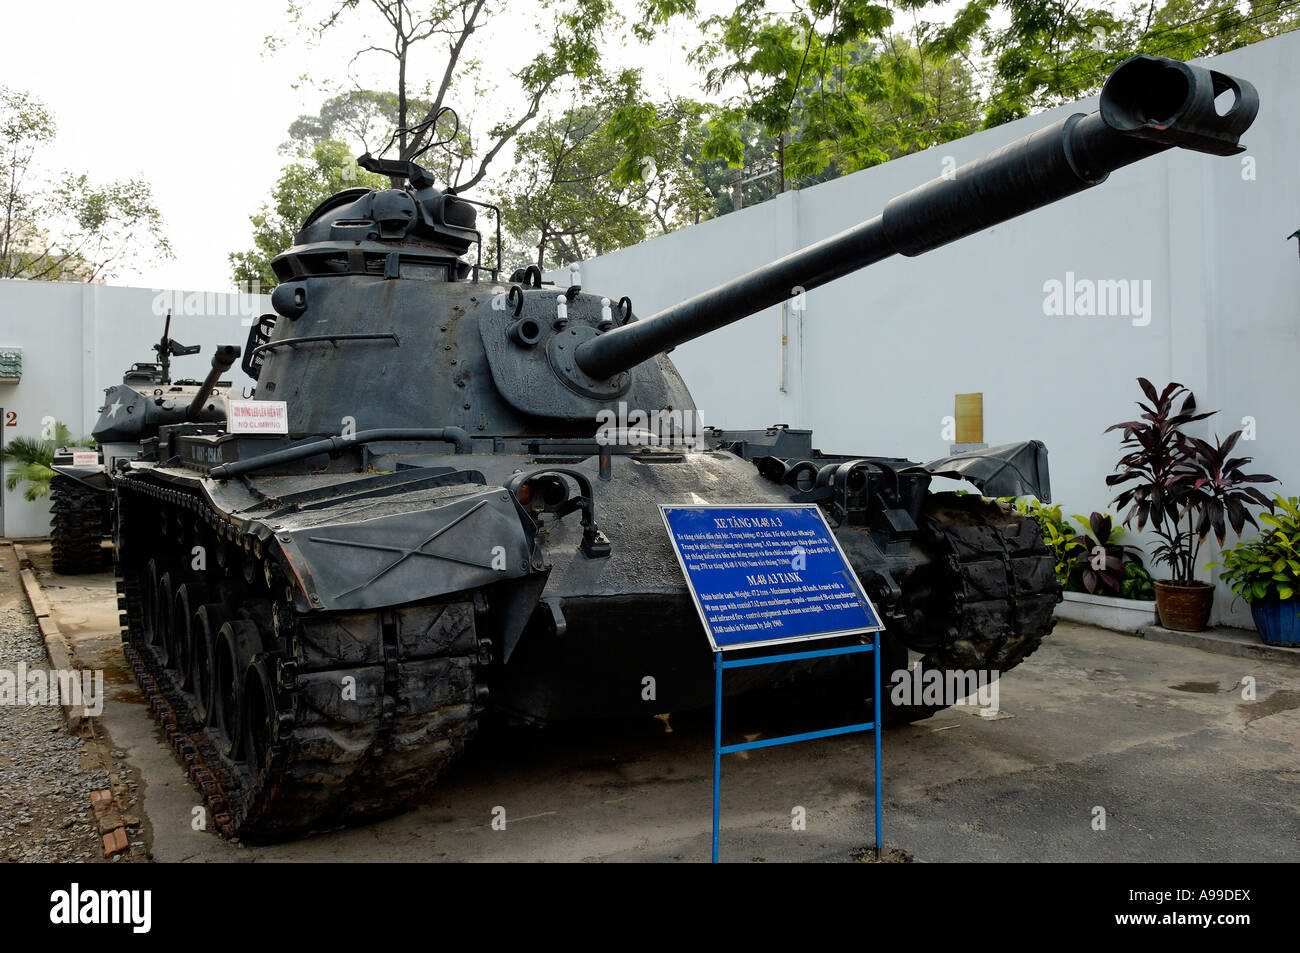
115 843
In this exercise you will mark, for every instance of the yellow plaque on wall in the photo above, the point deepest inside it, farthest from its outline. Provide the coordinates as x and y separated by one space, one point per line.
970 418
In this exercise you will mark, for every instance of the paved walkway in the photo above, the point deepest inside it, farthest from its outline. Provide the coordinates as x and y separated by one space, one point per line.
1158 736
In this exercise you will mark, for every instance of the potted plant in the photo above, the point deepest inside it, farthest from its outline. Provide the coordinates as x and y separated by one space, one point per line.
1184 487
1266 573
1100 563
1103 581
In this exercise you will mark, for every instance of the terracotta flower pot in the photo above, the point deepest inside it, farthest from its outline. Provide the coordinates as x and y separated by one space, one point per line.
1184 605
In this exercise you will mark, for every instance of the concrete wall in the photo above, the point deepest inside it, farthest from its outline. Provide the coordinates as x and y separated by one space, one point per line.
77 339
876 358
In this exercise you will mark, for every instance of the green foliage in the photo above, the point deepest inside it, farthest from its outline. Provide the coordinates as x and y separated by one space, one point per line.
1268 566
1076 559
1137 582
793 97
576 191
836 86
302 186
430 49
64 227
1051 52
364 117
32 460
1185 29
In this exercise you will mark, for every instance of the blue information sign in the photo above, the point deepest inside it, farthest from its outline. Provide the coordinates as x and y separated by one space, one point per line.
767 574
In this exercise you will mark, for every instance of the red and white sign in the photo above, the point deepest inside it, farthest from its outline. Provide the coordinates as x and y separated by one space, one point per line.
257 416
85 458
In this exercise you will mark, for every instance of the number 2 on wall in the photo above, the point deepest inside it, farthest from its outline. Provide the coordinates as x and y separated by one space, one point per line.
11 418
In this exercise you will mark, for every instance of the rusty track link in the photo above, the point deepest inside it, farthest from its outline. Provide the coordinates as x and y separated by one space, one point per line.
76 527
992 604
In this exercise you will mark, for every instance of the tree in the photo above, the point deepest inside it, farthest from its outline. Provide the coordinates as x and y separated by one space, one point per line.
836 86
302 186
1056 51
362 117
367 120
64 228
572 193
839 85
1189 28
406 36
561 201
34 460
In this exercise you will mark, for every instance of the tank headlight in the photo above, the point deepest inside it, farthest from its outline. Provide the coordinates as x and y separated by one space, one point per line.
545 492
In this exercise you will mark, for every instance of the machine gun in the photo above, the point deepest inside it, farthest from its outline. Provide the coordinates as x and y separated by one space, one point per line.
166 349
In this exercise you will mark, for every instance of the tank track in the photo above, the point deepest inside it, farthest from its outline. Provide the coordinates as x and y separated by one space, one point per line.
78 527
986 601
280 742
988 597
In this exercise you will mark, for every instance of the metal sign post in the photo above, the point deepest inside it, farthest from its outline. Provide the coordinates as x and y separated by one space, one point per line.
720 664
770 575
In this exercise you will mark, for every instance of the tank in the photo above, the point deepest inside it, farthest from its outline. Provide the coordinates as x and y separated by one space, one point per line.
80 490
462 512
80 513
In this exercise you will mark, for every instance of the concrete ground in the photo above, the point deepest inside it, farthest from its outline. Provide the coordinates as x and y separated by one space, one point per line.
1157 736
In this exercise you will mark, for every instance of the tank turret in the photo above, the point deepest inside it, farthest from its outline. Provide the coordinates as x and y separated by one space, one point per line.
532 359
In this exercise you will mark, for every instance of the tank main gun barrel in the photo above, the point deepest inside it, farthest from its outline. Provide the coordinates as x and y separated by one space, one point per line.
222 361
1148 105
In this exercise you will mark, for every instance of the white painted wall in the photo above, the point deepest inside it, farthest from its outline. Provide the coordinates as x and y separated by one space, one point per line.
877 357
77 339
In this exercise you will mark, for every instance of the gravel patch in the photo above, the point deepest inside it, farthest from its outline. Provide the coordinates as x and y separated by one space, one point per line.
45 812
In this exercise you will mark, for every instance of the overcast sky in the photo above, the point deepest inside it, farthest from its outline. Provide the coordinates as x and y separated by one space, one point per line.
184 95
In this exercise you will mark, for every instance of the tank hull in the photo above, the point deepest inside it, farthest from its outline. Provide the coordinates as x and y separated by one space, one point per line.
320 645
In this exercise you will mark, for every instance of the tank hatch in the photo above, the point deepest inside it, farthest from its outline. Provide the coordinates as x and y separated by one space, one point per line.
415 232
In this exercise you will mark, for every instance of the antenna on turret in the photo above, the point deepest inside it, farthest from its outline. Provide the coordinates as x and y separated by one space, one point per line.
398 169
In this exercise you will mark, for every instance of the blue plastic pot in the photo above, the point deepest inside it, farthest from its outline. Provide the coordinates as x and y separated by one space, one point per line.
1277 620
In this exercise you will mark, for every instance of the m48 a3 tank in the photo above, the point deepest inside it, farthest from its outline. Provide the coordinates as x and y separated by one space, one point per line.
319 617
80 490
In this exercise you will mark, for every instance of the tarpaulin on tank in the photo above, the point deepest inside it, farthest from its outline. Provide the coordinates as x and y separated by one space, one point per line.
1012 469
355 549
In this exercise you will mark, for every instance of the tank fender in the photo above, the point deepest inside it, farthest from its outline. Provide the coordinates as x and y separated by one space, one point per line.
407 556
95 477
